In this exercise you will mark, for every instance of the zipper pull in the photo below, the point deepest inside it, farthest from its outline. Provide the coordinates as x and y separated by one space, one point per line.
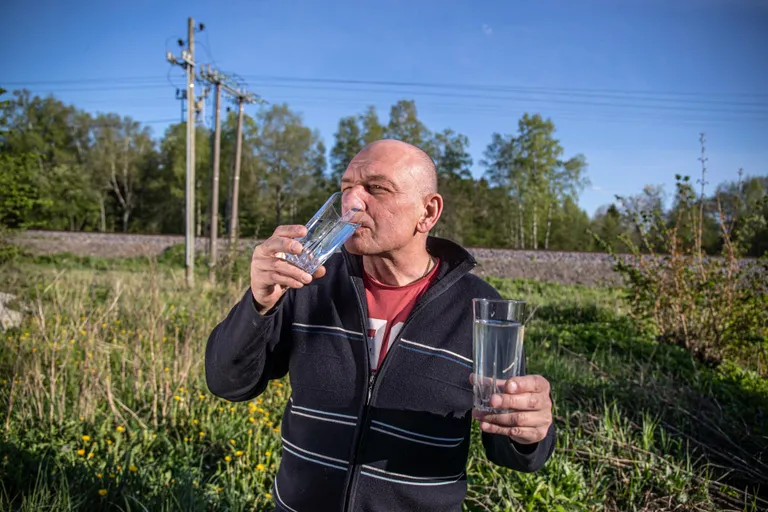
371 380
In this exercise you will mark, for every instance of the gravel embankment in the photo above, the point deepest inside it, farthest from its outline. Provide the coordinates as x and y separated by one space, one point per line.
561 267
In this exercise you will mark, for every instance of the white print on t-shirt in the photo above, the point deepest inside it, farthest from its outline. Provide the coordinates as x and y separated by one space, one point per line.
376 329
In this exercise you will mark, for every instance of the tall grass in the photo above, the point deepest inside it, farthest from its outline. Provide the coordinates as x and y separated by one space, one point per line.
104 407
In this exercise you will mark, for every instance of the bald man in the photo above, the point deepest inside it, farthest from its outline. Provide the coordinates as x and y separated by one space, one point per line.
378 348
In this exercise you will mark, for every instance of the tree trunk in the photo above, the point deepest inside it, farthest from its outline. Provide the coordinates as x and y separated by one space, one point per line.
102 215
520 226
534 231
126 214
278 204
549 226
199 226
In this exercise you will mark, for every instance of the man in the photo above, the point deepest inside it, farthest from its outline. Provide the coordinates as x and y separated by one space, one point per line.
378 348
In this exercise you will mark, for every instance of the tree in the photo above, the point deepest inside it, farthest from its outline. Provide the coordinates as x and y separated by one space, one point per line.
404 124
370 126
449 152
349 142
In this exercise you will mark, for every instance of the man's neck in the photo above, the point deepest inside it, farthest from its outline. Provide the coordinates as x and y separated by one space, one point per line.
399 269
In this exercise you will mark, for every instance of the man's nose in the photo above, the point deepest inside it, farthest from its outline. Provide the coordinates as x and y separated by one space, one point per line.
353 199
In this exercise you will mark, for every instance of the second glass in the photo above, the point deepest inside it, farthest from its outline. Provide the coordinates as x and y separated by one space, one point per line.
497 347
327 231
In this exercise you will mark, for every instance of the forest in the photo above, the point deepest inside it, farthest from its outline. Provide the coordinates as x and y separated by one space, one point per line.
63 168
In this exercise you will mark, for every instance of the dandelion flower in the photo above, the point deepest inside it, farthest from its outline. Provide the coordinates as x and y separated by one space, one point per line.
219 489
167 369
109 441
232 442
90 456
99 475
195 422
102 492
252 419
268 496
201 434
228 458
86 438
268 454
239 453
195 483
132 468
121 428
81 452
177 398
202 397
261 467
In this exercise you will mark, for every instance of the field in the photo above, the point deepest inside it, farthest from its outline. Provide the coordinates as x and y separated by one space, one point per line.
104 404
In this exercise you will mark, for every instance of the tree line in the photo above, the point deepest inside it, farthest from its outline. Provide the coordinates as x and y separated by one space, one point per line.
62 168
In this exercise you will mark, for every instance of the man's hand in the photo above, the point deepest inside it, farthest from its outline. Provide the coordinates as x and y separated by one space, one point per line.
271 275
529 397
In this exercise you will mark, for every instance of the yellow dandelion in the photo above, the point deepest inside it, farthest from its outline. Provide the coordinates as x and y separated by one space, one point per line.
195 483
109 441
268 496
252 419
81 452
167 369
260 401
231 409
228 458
232 442
268 454
202 397
177 398
83 332
99 475
34 350
119 467
71 342
86 438
261 467
219 489
195 422
82 419
201 434
90 456
102 492
132 468
239 453
121 428
103 325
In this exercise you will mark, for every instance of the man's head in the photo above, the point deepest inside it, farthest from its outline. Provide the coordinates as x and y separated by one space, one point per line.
397 184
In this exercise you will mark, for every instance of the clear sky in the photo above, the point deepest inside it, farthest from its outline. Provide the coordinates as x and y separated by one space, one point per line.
628 83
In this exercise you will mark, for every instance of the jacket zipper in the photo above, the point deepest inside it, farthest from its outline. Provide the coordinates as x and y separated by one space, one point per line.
372 379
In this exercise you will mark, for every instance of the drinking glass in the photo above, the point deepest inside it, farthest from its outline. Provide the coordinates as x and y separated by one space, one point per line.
497 347
327 230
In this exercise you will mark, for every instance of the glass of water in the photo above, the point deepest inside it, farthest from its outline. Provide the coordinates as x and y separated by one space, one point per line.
327 230
497 347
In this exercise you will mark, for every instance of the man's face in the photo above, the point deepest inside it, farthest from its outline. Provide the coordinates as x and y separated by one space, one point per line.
383 180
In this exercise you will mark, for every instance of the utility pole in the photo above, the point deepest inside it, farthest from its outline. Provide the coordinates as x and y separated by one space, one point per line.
187 61
225 83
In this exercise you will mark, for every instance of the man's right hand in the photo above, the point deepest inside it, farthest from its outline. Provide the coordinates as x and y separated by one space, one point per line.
271 275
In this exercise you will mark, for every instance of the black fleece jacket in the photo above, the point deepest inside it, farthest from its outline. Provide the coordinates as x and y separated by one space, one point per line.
352 442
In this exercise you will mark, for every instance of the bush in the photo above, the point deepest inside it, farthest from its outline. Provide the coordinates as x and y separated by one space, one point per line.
715 307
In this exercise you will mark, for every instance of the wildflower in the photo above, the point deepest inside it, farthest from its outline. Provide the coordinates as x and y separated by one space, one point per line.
231 409
194 483
82 419
83 332
268 454
232 442
109 441
122 332
165 339
228 458
167 369
119 467
103 325
239 453
99 475
260 467
201 434
202 397
132 468
90 456
177 398
252 419
219 489
195 422
172 307
268 496
34 350
81 452
86 438
71 342
102 492
121 428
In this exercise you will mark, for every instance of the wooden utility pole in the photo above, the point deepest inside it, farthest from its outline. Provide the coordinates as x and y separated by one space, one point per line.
214 230
187 61
228 85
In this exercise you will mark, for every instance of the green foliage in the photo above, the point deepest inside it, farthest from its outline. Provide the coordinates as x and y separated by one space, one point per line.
106 405
715 307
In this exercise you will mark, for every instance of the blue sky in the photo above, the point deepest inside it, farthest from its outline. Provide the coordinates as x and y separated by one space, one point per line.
699 66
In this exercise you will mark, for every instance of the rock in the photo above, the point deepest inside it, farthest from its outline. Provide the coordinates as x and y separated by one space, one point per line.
9 319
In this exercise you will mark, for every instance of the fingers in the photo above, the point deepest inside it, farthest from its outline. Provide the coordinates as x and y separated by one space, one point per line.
320 272
276 245
281 272
522 435
290 231
521 401
527 384
522 419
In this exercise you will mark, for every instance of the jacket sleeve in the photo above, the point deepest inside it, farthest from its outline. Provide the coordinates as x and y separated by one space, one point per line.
503 451
246 350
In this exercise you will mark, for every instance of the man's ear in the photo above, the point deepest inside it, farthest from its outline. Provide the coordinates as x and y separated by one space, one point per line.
433 208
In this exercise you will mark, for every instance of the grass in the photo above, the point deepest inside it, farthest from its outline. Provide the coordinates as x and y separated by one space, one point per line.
103 406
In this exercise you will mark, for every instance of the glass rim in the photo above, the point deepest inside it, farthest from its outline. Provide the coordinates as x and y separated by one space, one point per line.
498 301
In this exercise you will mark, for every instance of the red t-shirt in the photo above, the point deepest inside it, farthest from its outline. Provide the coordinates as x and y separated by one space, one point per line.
388 308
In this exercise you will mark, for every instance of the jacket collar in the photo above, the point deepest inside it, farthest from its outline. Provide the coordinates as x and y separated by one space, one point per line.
455 261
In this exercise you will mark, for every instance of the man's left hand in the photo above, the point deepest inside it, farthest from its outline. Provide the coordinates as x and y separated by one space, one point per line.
529 397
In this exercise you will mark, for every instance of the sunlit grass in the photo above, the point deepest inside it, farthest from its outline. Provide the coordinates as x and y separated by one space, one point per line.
104 406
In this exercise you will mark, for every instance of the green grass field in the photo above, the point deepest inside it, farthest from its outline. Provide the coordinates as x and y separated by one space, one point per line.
104 406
